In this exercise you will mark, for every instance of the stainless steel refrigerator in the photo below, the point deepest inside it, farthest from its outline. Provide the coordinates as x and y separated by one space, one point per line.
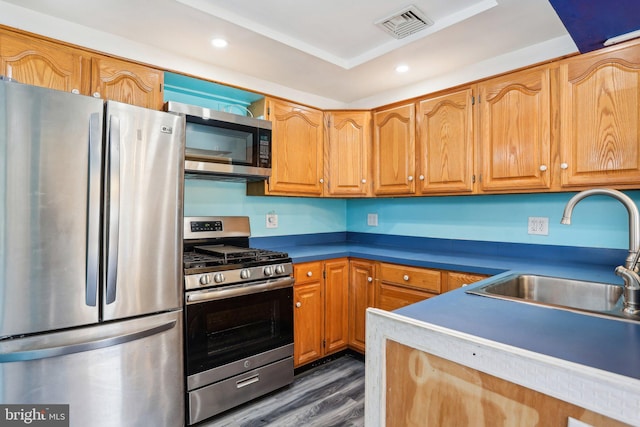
91 257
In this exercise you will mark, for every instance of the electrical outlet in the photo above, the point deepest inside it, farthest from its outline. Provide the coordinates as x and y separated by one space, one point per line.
272 220
538 225
372 220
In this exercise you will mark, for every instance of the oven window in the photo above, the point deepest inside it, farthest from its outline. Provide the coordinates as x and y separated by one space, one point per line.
223 331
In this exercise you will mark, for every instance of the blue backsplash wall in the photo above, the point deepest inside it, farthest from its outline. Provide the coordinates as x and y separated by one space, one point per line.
598 222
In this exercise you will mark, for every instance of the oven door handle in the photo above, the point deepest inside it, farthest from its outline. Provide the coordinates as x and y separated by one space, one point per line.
234 291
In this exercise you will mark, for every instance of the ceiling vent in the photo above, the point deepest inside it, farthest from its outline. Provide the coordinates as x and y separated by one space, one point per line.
408 21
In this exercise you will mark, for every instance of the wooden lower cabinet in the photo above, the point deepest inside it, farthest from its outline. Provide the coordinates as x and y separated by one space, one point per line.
401 285
457 279
426 390
361 294
320 309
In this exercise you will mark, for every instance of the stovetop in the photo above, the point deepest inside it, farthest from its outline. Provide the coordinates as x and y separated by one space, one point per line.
201 258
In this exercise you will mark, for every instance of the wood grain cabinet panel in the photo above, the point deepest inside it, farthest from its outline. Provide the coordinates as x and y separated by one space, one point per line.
515 131
446 143
600 111
456 279
297 151
394 149
425 390
33 61
361 296
348 152
126 82
320 309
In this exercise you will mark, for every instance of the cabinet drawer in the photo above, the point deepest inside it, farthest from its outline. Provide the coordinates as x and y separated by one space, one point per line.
307 272
419 278
391 297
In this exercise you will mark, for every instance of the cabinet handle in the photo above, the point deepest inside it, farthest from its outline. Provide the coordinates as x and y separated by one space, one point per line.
369 279
543 168
298 304
410 178
564 166
406 277
364 181
309 274
96 94
421 177
321 180
75 91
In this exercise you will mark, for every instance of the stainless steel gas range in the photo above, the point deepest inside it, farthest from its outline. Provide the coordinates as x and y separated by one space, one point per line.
238 316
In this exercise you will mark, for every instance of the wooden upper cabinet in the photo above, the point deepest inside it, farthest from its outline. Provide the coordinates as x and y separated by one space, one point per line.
445 143
347 158
600 118
296 150
123 81
515 131
41 63
394 145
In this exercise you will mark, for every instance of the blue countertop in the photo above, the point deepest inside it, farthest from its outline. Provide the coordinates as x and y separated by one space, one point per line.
609 344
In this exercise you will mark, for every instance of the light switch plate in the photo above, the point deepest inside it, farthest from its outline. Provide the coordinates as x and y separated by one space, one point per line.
538 225
372 220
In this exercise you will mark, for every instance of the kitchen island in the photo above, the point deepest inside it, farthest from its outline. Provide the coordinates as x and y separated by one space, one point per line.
583 361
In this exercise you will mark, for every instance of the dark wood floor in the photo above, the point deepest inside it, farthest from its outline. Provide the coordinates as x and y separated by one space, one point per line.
331 394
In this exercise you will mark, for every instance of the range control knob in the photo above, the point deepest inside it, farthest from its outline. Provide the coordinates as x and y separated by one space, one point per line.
218 278
245 273
279 269
268 271
205 279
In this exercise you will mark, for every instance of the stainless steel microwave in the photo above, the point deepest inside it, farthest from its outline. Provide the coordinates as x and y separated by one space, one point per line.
221 145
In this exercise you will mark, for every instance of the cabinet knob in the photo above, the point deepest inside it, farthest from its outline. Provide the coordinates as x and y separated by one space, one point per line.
406 277
543 168
564 166
96 94
309 274
410 178
364 181
369 279
321 180
298 304
75 91
421 177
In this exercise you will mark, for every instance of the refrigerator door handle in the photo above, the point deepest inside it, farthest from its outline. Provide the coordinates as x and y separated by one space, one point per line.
58 349
93 220
114 208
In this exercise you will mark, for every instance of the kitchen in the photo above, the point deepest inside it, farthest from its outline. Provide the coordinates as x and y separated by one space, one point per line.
492 218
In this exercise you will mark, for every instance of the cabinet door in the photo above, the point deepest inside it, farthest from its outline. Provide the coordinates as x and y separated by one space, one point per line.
445 143
38 62
515 131
361 278
126 82
394 151
307 322
297 149
600 118
336 312
348 151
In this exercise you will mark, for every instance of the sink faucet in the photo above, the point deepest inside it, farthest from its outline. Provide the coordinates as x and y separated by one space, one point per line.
628 272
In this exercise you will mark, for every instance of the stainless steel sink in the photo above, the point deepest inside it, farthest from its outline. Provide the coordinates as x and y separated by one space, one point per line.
574 295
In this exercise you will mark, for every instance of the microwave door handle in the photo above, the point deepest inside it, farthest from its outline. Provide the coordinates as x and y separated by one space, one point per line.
114 208
93 211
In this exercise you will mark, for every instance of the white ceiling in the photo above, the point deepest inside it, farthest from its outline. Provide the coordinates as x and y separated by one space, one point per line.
331 48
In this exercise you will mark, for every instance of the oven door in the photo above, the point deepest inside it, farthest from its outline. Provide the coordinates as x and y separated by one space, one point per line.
233 329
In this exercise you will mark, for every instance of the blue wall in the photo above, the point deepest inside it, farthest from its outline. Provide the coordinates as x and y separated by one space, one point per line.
598 221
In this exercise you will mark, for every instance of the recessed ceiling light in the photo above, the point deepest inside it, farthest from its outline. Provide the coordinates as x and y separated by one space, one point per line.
218 42
402 68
